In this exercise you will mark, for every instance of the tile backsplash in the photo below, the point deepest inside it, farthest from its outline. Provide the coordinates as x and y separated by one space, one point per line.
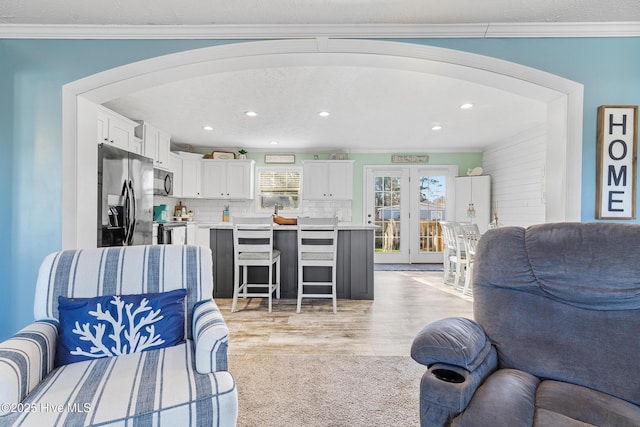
206 210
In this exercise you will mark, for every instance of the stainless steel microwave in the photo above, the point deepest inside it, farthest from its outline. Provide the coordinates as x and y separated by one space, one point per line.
162 182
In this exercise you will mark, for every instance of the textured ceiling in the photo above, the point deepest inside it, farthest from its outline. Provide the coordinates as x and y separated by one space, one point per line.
195 12
370 109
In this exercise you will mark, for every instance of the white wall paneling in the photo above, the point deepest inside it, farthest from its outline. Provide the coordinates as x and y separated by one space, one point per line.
517 168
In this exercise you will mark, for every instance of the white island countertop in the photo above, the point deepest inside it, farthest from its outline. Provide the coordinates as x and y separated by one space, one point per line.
341 226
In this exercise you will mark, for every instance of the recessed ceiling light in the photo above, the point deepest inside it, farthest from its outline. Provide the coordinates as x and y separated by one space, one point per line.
250 113
466 106
324 114
207 127
274 143
436 127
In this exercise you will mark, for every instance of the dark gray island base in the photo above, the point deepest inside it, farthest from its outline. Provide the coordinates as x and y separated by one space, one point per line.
354 268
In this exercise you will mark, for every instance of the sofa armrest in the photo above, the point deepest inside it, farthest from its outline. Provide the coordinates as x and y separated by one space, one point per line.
211 338
455 341
25 359
459 357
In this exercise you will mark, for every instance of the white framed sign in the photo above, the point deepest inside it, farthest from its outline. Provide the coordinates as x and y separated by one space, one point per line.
279 158
617 147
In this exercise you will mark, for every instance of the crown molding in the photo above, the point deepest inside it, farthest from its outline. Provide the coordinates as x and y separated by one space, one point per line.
565 29
369 31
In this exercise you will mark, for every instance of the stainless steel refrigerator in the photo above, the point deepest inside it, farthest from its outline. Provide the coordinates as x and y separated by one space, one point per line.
125 197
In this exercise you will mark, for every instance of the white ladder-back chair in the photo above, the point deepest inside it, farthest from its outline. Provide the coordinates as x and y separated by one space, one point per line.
317 247
455 260
253 247
470 236
450 248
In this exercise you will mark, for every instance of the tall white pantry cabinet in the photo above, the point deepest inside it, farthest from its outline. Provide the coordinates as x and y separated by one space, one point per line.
476 190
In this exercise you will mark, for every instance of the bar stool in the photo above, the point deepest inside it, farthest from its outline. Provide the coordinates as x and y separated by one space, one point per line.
317 247
253 247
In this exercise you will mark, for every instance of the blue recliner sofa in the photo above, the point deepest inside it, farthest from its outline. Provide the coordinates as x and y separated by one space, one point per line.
555 339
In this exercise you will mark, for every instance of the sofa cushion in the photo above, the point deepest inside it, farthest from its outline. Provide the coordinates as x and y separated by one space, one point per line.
148 388
573 263
558 400
112 325
505 399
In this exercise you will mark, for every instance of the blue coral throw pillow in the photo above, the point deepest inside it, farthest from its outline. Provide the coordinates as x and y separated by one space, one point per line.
111 325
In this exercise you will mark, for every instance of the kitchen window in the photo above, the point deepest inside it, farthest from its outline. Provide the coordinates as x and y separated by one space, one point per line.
279 186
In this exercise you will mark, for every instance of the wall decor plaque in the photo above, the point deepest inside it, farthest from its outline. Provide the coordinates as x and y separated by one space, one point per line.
409 158
616 164
279 158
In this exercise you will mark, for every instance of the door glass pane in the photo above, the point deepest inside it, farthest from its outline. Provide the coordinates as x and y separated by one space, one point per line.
387 213
432 211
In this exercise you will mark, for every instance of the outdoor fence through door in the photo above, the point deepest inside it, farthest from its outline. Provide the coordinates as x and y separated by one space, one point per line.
406 204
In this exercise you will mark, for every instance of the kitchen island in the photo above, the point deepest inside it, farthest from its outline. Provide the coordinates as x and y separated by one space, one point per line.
354 271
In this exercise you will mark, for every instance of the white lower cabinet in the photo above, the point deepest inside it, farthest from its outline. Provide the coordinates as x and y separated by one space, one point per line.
191 234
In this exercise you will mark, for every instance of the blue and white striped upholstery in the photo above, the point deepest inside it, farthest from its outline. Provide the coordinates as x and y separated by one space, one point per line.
25 360
182 385
124 270
210 335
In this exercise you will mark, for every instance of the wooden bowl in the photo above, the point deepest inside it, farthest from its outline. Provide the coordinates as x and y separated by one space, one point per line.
285 221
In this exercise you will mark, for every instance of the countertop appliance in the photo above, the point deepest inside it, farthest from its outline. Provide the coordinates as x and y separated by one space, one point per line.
160 213
125 197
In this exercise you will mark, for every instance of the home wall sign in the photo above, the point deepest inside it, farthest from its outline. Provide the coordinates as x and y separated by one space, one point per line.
616 168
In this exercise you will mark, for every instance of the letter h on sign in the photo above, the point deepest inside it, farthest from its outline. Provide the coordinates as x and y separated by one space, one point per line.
617 148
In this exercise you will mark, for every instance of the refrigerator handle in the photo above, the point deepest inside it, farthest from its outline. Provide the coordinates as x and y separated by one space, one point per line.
132 206
127 214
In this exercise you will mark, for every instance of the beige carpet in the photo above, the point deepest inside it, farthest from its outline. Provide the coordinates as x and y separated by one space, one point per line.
326 390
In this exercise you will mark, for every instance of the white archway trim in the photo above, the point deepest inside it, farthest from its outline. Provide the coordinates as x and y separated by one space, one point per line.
564 97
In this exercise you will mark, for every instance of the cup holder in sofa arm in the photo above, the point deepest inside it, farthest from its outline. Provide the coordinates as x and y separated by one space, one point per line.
448 375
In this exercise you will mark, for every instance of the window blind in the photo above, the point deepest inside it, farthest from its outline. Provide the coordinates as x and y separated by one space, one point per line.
279 181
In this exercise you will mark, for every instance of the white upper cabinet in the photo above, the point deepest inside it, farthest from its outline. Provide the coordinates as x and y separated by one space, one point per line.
156 144
227 179
175 166
327 179
116 130
191 178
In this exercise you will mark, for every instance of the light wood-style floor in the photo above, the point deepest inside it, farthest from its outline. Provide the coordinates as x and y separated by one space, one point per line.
405 301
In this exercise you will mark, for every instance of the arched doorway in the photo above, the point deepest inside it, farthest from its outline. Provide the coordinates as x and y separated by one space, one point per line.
563 97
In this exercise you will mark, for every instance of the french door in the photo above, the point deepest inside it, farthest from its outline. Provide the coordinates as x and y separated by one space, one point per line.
406 204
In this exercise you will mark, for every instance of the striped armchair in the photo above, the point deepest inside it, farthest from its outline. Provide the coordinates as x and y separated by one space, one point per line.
186 384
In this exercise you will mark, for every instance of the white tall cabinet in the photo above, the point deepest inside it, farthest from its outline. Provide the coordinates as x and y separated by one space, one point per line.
476 190
327 179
